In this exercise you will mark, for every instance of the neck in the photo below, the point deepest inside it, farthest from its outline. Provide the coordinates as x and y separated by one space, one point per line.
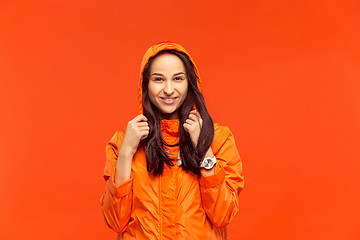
169 116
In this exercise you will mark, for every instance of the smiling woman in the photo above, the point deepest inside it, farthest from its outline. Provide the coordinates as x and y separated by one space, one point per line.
173 174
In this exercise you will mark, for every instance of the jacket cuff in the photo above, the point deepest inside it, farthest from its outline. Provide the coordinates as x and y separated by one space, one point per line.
213 180
123 189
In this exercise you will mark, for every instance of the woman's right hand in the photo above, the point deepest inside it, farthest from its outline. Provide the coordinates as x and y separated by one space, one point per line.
137 129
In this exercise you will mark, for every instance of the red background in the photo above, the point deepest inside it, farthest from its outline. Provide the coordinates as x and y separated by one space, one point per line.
283 75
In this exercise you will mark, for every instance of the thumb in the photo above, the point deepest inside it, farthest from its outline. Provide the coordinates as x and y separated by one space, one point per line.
185 127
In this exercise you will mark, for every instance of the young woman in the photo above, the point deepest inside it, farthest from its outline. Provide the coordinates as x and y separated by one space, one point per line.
173 173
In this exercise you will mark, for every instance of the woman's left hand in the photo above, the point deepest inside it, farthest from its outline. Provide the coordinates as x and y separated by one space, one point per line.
193 126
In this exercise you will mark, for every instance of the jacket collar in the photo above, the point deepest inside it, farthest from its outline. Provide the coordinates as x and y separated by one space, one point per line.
170 127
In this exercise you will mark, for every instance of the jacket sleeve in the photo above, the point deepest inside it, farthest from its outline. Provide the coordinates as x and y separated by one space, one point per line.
219 192
116 202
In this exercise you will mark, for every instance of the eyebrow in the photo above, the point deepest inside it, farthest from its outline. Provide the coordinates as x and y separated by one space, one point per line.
179 73
160 74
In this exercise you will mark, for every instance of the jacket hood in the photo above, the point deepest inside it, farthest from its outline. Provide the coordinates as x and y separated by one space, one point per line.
152 51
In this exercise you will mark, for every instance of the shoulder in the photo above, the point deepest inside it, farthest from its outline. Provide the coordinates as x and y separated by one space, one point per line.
117 138
221 131
222 136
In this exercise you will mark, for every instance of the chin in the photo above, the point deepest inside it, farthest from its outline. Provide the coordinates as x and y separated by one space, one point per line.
167 109
169 114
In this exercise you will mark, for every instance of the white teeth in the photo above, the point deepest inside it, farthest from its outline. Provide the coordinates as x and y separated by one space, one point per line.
168 99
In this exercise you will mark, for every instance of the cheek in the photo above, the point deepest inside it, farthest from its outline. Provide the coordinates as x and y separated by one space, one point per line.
185 89
151 91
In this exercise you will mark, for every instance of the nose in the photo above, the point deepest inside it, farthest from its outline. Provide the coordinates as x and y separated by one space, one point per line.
169 88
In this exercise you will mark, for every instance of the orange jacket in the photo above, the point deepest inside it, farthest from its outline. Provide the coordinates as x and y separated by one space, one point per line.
177 204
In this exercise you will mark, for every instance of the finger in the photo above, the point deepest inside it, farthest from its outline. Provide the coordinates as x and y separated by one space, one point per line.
144 128
190 121
141 124
140 118
186 125
196 112
144 136
199 117
196 119
201 121
142 131
193 117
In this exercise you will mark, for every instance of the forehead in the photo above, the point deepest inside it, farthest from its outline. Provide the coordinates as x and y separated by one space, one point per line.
167 63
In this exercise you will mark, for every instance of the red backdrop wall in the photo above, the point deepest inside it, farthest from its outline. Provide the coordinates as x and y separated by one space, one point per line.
283 75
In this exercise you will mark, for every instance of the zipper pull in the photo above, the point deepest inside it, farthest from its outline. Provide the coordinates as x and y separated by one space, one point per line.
179 160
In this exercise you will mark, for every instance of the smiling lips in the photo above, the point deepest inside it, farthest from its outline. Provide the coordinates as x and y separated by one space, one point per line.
168 100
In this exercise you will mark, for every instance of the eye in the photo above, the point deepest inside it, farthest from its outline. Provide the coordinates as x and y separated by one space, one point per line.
179 78
157 79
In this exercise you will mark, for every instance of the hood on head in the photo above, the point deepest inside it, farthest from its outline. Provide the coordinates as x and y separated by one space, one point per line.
152 51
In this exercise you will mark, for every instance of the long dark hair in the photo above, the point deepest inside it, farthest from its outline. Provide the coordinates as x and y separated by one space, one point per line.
155 153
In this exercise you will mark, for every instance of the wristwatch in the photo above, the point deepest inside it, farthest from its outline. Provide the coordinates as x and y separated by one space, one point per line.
208 163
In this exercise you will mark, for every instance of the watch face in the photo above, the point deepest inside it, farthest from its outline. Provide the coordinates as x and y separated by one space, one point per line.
208 163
